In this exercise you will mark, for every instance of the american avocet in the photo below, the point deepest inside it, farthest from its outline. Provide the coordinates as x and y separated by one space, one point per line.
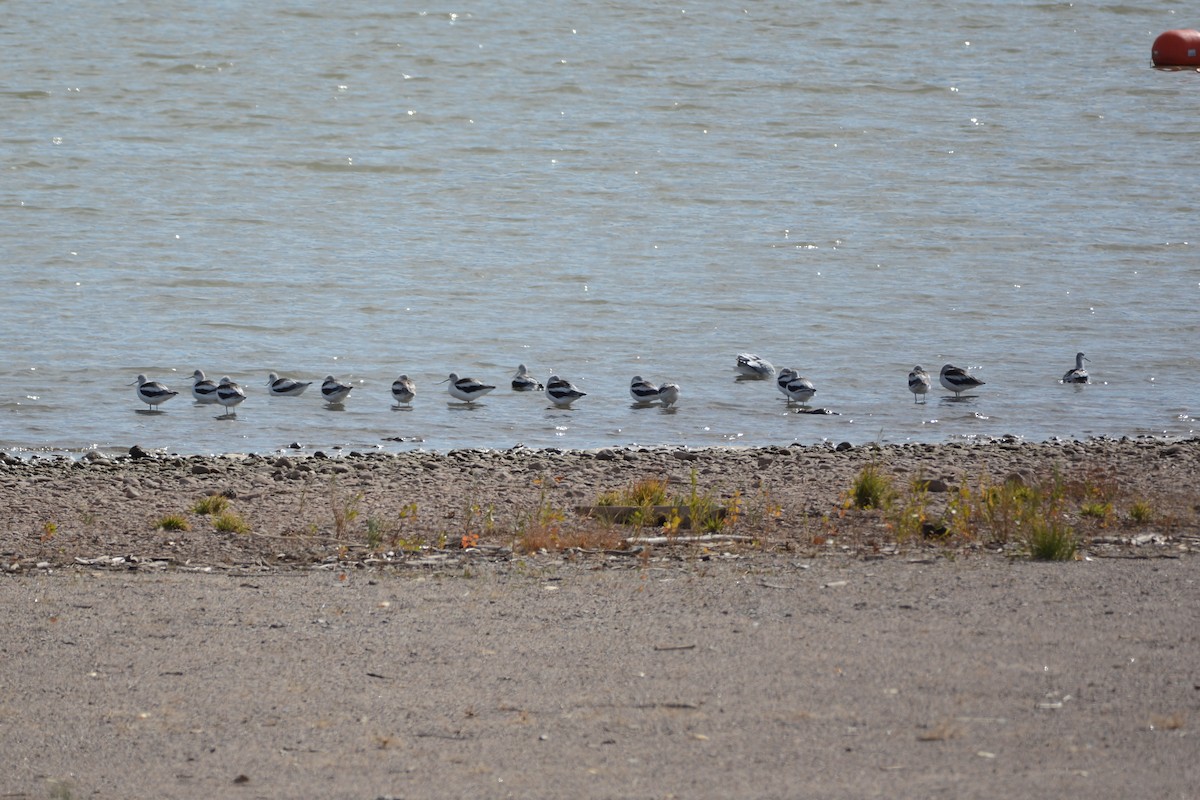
751 366
562 392
642 391
958 380
781 381
203 389
404 390
334 392
229 394
799 389
1079 374
668 394
466 389
524 382
152 393
918 383
285 387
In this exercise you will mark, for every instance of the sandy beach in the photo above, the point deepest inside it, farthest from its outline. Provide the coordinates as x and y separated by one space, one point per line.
388 626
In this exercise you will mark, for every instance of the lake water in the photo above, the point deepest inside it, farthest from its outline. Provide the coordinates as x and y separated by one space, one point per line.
599 189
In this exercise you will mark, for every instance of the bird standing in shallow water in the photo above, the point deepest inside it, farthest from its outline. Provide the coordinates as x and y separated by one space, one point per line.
918 383
958 380
403 390
524 382
203 389
751 366
1079 374
229 394
334 392
466 389
562 392
152 393
668 394
642 391
285 387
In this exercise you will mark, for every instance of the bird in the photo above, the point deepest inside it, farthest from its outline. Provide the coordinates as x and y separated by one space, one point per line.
334 392
958 380
203 389
562 392
918 383
751 366
285 387
642 391
229 394
668 394
524 382
466 389
404 390
799 389
781 381
1079 374
152 393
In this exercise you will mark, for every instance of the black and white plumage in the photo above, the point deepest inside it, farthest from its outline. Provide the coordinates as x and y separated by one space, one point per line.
958 380
524 382
229 394
668 394
798 389
781 380
403 390
918 383
751 366
467 390
1079 374
203 389
642 391
334 392
285 387
562 392
152 393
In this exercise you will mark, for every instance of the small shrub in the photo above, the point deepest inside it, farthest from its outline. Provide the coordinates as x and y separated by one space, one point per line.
230 522
871 489
1051 540
211 504
1096 510
1141 512
173 522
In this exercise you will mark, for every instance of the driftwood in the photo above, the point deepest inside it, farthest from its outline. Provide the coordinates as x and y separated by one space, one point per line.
647 516
701 539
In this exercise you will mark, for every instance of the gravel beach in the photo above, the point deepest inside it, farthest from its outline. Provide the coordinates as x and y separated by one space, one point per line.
384 625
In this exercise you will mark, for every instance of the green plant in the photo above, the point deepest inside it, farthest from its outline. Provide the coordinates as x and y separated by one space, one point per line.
705 512
907 514
345 509
173 522
211 504
1141 512
1050 539
871 489
374 533
230 522
1096 510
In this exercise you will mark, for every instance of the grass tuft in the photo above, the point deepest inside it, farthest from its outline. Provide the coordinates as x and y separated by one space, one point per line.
230 522
1141 512
871 489
173 522
211 504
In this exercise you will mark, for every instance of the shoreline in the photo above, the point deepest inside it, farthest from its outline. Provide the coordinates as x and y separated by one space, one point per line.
812 649
304 510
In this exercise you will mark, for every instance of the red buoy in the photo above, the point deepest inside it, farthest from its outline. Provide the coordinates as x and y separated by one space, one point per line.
1176 49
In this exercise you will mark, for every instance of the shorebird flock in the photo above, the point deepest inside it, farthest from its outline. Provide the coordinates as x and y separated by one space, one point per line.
561 392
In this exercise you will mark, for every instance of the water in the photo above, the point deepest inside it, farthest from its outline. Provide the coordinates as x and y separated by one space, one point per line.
602 190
